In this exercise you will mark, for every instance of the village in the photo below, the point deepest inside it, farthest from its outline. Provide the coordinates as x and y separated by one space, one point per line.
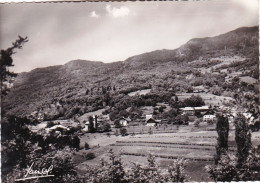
192 129
204 114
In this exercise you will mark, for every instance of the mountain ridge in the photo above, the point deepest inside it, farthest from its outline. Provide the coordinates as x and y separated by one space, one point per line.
40 87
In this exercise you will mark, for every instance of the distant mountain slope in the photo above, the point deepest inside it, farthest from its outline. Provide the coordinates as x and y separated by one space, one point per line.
240 40
41 87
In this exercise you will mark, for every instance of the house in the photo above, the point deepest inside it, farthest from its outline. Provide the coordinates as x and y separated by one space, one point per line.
199 89
209 117
201 109
124 121
86 127
56 128
192 110
188 110
148 116
152 122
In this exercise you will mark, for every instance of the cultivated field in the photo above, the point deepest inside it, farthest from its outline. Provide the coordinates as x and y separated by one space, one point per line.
196 146
139 92
208 98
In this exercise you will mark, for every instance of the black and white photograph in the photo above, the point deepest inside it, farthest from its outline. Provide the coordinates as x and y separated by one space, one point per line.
130 91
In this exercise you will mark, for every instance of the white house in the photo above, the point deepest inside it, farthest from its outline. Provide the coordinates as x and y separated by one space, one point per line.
209 117
201 109
188 110
85 129
124 121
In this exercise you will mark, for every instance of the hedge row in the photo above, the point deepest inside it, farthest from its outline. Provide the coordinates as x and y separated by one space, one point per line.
176 147
165 146
168 143
147 132
167 157
173 136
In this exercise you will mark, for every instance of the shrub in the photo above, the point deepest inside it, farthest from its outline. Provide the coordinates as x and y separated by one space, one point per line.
117 124
75 142
116 133
176 171
90 156
196 123
106 127
225 170
86 146
123 131
150 131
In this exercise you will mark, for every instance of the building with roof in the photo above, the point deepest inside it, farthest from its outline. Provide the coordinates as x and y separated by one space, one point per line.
209 117
124 121
192 110
199 89
148 116
152 122
201 109
188 110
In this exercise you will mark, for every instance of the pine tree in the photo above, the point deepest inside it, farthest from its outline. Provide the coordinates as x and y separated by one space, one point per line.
222 128
6 61
243 139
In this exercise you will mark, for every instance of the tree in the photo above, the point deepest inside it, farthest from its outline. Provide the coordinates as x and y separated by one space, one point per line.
86 146
225 170
91 124
6 61
246 165
176 171
117 124
197 123
193 101
123 131
243 139
250 170
63 167
150 131
111 171
222 129
106 127
75 142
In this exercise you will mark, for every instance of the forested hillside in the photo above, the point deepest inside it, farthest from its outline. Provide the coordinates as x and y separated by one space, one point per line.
82 86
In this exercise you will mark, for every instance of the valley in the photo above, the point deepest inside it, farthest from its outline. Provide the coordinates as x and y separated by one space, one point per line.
165 103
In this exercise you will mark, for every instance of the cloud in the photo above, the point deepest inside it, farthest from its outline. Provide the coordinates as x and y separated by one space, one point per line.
117 12
251 5
93 14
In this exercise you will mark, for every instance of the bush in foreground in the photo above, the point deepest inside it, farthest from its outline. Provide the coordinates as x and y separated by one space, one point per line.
114 171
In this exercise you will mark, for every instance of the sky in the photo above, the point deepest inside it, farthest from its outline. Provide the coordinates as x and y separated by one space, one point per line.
114 31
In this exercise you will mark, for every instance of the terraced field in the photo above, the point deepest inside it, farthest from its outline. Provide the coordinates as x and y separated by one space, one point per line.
197 147
193 146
